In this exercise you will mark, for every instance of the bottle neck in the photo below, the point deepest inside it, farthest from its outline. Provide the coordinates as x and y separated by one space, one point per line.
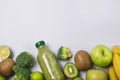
42 46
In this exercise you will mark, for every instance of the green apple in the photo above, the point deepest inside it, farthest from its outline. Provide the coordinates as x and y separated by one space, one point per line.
96 74
101 55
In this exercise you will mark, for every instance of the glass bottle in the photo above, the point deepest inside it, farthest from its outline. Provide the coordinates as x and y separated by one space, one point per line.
48 63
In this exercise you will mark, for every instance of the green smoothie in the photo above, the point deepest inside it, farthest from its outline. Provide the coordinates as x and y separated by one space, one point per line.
48 63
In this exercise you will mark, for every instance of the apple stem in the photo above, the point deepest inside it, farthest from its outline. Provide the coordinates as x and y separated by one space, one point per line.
103 52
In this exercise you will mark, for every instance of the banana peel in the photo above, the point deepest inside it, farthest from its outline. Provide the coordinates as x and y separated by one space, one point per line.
116 64
111 73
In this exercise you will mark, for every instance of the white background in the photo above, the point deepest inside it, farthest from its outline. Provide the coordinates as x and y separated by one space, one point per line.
78 24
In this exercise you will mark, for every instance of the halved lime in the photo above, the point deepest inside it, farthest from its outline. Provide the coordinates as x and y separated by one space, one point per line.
37 76
4 51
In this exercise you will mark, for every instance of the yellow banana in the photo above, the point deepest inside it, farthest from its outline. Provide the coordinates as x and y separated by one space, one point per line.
116 49
116 64
111 73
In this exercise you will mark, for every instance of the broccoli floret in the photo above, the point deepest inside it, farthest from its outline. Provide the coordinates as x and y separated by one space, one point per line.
21 73
24 59
64 53
22 66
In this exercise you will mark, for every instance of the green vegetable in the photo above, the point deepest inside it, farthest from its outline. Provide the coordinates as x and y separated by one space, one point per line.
24 59
64 53
21 73
22 67
3 78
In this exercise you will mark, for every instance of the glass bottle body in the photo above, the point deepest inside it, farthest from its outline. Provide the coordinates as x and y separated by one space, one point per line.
49 64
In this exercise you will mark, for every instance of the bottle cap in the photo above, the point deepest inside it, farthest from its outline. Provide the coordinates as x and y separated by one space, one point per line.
39 43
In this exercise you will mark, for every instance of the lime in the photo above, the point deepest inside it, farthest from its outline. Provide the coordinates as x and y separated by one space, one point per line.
37 76
2 77
4 52
77 78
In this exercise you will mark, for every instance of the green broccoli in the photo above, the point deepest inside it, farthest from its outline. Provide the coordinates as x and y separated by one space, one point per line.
24 59
64 53
22 66
21 73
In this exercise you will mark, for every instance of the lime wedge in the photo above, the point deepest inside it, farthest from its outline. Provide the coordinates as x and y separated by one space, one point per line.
4 51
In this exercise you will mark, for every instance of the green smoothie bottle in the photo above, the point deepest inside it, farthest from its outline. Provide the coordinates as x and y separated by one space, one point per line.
48 63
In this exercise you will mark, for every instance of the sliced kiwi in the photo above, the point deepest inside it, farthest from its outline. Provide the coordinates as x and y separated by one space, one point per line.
70 70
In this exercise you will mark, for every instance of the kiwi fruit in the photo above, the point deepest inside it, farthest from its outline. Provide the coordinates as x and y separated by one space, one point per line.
6 67
82 60
70 70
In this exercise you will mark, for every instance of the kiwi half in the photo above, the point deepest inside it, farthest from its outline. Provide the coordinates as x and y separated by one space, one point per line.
70 70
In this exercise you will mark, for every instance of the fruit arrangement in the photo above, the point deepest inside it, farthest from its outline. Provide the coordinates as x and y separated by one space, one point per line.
92 63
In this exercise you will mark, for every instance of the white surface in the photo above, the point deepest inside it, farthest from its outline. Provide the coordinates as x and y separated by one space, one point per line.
78 24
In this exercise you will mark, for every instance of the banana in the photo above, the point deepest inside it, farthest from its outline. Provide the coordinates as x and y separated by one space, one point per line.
116 49
111 73
116 64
